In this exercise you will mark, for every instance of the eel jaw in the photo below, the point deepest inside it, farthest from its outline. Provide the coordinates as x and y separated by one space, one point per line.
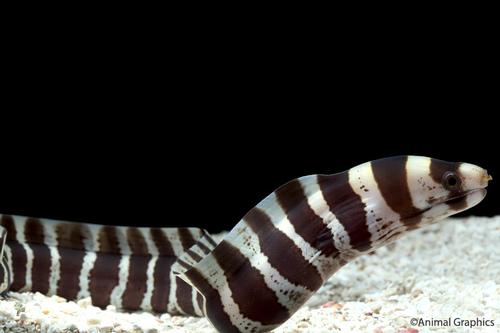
465 200
448 207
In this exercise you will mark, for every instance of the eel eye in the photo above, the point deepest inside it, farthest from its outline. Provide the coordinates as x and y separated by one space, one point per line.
451 181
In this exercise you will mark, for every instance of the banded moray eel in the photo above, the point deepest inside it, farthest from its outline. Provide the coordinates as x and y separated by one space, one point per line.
272 261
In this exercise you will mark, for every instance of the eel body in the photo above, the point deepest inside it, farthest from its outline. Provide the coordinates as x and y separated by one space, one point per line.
268 265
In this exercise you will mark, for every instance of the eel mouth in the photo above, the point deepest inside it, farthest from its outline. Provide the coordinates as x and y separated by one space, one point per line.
466 199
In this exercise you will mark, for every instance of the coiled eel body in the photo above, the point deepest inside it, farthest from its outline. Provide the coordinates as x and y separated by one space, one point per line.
268 265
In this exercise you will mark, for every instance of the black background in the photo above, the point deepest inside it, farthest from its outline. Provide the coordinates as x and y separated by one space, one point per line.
150 179
198 131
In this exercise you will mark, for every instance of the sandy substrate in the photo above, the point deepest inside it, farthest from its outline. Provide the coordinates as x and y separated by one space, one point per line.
449 270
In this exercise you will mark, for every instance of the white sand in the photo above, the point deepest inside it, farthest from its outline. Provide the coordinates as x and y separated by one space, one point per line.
449 270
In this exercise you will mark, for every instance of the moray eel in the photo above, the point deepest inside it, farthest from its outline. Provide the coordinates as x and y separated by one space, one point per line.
268 265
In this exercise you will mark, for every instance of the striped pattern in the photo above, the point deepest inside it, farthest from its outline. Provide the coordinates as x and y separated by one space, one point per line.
287 246
272 261
123 266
